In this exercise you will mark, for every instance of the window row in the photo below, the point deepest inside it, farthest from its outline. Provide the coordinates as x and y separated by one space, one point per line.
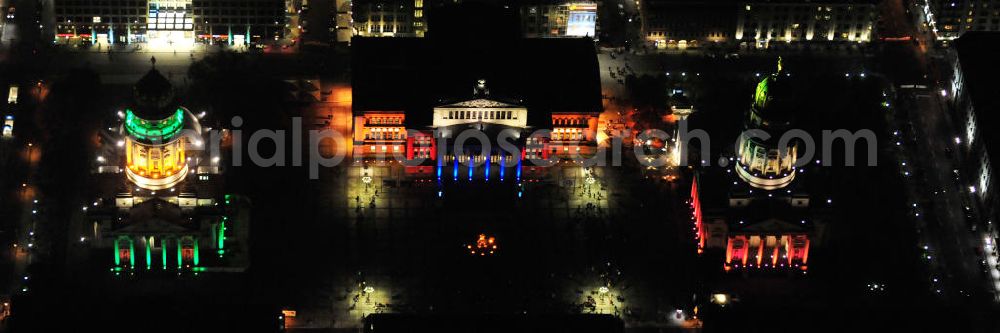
385 120
502 115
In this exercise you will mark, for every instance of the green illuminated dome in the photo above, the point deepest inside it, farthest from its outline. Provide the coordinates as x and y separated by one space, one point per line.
155 117
762 163
773 101
154 130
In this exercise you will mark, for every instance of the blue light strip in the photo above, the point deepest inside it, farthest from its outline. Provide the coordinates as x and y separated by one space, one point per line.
519 170
487 173
502 167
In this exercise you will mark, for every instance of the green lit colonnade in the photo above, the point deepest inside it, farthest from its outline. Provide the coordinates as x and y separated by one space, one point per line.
156 250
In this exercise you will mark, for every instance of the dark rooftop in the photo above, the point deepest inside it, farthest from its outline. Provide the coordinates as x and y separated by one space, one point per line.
153 95
977 54
417 74
581 323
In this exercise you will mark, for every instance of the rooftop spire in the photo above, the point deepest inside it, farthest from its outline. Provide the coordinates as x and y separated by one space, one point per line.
480 90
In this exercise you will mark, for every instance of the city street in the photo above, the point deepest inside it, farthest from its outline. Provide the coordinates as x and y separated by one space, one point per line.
931 146
943 197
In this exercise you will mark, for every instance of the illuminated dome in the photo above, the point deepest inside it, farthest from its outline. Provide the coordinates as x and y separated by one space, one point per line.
762 163
773 102
157 135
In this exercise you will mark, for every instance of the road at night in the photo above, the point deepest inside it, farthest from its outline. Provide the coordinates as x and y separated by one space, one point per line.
929 133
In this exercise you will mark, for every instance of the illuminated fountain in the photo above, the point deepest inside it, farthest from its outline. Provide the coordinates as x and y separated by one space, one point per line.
484 246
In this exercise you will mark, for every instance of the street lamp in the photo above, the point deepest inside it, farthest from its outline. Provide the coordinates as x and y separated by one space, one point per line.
720 299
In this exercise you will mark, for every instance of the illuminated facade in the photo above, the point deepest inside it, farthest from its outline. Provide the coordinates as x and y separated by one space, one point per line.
380 132
759 23
757 216
951 19
413 100
159 205
573 133
154 150
342 16
686 23
402 18
100 21
384 135
973 98
696 23
408 18
173 24
561 19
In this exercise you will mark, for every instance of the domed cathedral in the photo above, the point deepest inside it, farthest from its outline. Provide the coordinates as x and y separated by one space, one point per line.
168 213
756 216
761 162
158 135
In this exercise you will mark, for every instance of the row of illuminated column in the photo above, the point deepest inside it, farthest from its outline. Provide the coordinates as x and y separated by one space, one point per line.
501 160
187 251
761 160
767 251
155 161
699 226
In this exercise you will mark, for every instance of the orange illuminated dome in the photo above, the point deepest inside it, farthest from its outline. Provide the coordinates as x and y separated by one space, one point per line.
157 135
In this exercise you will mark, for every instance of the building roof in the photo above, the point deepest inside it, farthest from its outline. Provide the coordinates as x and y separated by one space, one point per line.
767 210
480 103
153 95
417 74
976 53
156 216
977 57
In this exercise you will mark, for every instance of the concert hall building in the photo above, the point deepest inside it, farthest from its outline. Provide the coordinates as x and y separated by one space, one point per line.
414 97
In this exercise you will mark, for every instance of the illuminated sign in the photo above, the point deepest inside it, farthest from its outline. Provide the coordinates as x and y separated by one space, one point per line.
169 16
582 20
